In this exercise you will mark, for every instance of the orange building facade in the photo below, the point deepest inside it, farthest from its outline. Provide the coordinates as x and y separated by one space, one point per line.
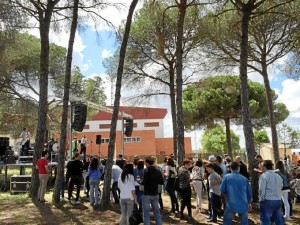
147 137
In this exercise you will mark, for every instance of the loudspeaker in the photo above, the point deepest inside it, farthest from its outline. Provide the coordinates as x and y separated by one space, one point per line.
128 127
80 112
98 139
4 143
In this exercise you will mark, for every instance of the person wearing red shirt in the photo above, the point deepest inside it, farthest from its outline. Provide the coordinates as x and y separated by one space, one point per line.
42 167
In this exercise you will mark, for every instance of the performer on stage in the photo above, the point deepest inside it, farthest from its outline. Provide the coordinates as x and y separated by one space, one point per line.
25 136
83 145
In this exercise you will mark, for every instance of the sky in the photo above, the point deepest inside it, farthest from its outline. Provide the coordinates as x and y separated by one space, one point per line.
93 45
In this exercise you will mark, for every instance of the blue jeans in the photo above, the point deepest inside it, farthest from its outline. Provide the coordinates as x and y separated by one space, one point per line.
228 216
94 191
153 200
270 209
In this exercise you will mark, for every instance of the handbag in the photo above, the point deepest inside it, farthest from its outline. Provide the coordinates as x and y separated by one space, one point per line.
136 217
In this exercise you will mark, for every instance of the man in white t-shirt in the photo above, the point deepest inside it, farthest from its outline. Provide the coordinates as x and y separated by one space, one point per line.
25 141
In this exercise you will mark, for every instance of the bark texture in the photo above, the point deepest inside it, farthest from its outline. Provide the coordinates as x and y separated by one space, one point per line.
111 146
179 82
44 15
60 179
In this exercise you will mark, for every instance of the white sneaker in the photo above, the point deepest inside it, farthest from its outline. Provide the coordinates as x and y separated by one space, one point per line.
77 202
287 218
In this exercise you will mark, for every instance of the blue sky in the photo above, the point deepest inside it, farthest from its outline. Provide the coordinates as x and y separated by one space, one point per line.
97 46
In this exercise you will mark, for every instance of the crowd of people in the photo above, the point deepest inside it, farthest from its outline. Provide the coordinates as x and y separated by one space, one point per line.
139 184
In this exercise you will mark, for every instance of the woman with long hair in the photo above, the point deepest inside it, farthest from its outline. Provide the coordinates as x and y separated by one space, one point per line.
138 175
185 188
94 174
197 174
280 170
171 174
127 193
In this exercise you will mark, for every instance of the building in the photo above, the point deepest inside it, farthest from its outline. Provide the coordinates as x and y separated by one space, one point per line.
266 151
147 137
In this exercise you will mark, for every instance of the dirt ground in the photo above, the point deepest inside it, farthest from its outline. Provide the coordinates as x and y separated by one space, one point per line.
20 209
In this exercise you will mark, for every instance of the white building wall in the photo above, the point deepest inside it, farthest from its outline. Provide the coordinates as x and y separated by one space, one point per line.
159 131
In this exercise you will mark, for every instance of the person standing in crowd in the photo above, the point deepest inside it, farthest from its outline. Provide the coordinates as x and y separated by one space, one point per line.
160 187
163 169
219 171
151 180
127 193
83 144
289 163
286 177
270 185
136 158
185 188
238 195
116 172
260 164
243 167
197 174
120 161
295 159
74 172
86 186
228 163
94 174
43 169
219 162
170 175
139 189
25 141
214 180
75 145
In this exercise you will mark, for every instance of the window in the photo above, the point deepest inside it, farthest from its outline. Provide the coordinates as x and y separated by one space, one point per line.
104 126
86 127
152 124
132 139
125 140
105 140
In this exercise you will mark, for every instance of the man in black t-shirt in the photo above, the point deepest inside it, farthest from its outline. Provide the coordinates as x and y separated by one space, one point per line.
74 177
151 179
120 161
243 167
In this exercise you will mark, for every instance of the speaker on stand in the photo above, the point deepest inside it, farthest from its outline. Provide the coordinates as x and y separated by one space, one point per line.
4 144
98 142
80 113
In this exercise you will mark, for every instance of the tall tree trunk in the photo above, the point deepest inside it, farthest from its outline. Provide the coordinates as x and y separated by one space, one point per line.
45 14
111 146
59 182
270 109
173 109
247 126
228 136
179 81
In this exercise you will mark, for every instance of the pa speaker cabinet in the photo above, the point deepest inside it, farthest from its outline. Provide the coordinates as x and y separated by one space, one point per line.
20 183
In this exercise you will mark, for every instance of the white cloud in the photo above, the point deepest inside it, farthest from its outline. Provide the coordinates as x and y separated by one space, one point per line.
290 96
105 53
84 67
